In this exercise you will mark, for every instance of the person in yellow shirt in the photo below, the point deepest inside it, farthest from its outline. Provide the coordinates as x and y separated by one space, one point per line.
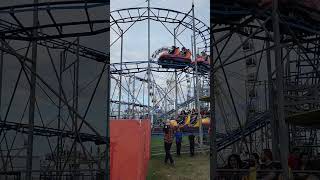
253 166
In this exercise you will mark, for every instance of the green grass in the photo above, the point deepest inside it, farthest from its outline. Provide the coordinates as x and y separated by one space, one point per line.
186 167
157 143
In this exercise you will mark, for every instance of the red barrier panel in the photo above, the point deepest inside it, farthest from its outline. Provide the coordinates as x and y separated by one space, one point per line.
129 149
147 132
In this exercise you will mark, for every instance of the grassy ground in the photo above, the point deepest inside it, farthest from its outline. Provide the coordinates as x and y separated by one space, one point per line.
186 167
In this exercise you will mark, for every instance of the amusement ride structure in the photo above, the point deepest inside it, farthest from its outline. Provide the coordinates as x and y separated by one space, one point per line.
257 76
53 73
276 46
172 79
245 81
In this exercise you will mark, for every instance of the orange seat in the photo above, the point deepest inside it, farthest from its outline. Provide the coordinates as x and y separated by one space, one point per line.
188 54
176 52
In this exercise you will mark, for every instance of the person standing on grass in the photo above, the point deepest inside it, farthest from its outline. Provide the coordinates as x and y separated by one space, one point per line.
178 136
191 143
168 139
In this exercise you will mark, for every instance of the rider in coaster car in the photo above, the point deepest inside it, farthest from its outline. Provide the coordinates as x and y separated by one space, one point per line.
176 51
183 51
188 54
204 55
172 49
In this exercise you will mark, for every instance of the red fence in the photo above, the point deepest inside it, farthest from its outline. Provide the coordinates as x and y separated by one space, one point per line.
129 149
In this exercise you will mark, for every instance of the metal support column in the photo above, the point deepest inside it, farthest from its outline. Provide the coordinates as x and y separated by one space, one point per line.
283 138
273 122
76 99
32 94
1 81
149 68
175 79
108 123
120 78
59 138
197 78
176 93
133 97
213 145
1 77
108 77
129 95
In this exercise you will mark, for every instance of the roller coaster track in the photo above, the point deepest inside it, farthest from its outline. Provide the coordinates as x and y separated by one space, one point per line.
162 15
226 140
255 124
15 26
239 13
184 104
127 103
55 27
51 132
68 46
134 67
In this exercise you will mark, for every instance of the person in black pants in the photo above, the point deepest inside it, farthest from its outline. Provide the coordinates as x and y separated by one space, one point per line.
168 139
178 136
191 142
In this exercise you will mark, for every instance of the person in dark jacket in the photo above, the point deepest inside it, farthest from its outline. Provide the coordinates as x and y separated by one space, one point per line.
191 143
178 136
168 139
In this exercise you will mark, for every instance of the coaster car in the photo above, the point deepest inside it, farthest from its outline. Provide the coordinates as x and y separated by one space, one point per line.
202 62
175 58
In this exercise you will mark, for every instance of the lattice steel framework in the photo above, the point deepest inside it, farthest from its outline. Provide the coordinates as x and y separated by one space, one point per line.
182 22
51 83
287 49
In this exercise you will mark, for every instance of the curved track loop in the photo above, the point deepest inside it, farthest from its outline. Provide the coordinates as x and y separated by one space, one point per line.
7 28
56 27
245 16
162 15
